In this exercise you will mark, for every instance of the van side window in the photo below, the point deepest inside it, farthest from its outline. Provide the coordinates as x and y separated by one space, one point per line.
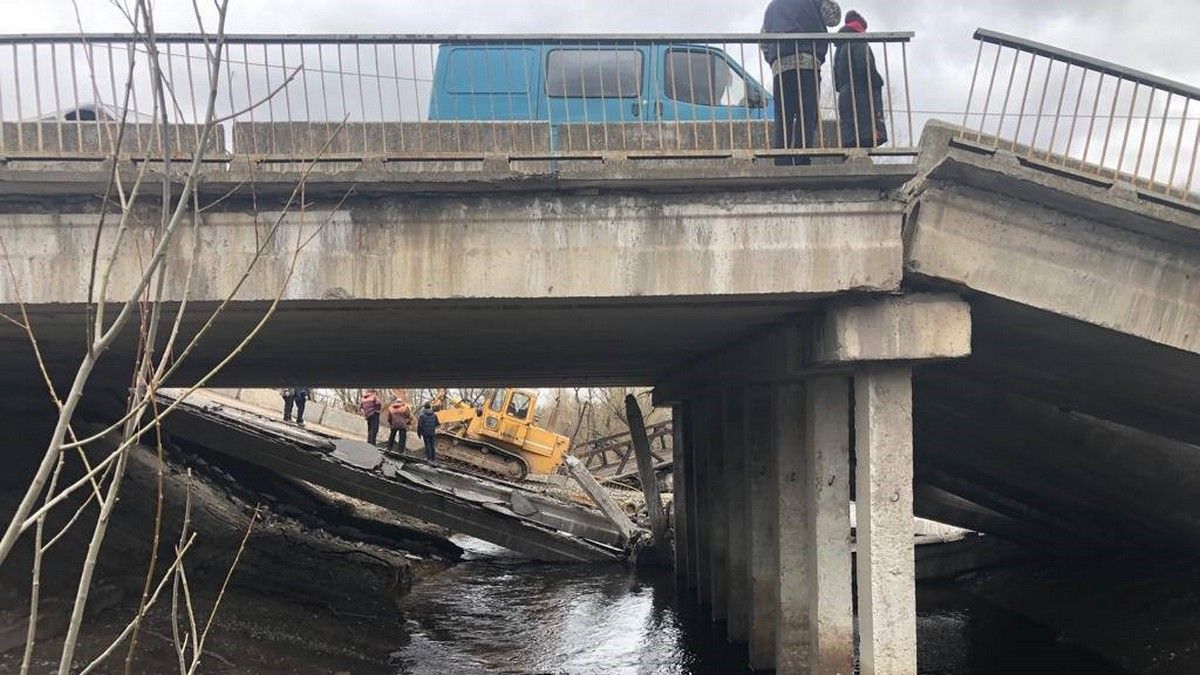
702 78
594 73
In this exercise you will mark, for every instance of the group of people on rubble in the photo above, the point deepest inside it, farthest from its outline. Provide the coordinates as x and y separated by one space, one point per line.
398 415
400 419
796 68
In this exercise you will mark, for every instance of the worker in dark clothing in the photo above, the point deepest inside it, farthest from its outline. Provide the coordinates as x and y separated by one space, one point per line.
399 419
369 407
796 66
296 398
859 89
427 426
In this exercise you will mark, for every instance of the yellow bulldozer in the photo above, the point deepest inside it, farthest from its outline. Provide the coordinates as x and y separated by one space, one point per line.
499 436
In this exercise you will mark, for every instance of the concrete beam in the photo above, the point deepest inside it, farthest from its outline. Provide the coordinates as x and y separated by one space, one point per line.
924 327
681 484
1067 264
910 329
737 615
763 528
701 511
793 641
718 512
830 588
884 492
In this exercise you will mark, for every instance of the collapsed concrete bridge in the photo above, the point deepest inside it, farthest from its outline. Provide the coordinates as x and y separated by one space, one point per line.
988 337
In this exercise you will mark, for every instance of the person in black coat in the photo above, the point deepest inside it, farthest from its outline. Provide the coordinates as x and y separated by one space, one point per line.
296 397
427 425
859 89
796 66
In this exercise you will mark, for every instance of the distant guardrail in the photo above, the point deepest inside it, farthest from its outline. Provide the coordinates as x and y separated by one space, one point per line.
1085 114
448 97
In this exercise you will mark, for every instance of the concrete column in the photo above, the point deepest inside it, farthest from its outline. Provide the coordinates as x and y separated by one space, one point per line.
887 614
679 485
737 614
792 639
701 508
763 527
718 512
831 621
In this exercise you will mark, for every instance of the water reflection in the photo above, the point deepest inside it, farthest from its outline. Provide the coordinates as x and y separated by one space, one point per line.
496 614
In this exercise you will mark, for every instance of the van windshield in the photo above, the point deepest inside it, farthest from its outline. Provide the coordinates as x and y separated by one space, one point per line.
594 73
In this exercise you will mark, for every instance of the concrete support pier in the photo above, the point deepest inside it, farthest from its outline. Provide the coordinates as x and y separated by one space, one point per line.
771 461
681 483
886 577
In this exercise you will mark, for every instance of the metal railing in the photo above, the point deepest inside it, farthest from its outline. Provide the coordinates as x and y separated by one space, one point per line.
432 97
1084 114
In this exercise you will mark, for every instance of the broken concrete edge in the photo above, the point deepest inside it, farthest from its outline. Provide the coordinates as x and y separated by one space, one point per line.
947 157
847 334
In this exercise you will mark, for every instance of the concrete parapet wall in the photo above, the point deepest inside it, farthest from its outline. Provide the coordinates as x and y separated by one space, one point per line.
76 138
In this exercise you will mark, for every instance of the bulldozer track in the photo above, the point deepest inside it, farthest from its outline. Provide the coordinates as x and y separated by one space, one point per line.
480 457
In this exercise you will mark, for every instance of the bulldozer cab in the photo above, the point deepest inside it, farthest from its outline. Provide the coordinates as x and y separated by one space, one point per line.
509 414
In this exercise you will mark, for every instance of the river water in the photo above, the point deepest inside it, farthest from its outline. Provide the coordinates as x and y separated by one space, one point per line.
498 614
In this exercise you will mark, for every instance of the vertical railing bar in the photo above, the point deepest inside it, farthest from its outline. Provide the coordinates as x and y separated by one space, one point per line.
800 113
871 97
287 98
766 122
1128 127
1112 121
711 72
187 58
1037 125
457 116
417 96
1058 112
58 109
37 99
17 92
820 127
1024 101
854 100
1012 75
1187 104
509 117
1075 117
654 101
1137 167
308 120
75 93
133 96
3 124
604 99
987 100
270 103
734 74
1187 187
695 128
891 104
112 83
379 93
250 100
1161 134
362 97
587 125
1087 146
749 112
324 97
478 126
971 92
173 99
562 67
341 79
907 93
399 95
621 98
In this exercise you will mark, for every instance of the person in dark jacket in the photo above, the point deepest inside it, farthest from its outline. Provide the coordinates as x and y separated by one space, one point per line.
399 419
369 407
796 66
295 397
859 89
427 426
